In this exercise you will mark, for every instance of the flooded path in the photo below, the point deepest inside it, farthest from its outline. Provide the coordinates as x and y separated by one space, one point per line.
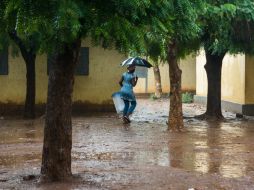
143 155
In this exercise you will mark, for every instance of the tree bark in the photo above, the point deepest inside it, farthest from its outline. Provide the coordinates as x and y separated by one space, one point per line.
157 79
175 122
29 111
29 56
213 69
56 156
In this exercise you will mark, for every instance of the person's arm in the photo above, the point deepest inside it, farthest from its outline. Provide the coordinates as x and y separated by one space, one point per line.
121 81
134 81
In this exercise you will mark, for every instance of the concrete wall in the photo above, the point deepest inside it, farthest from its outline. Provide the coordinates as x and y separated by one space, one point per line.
249 78
13 85
188 66
233 78
104 74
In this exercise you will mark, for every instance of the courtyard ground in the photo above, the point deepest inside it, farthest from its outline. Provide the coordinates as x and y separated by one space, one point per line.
143 155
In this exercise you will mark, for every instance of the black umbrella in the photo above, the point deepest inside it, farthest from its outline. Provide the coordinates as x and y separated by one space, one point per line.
137 61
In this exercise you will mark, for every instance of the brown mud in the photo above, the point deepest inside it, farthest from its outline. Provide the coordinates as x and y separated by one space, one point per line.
143 155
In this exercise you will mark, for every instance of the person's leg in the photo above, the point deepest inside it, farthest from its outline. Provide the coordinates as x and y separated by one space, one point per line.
132 108
125 112
126 107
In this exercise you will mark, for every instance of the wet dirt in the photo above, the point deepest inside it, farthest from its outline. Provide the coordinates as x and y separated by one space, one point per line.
143 155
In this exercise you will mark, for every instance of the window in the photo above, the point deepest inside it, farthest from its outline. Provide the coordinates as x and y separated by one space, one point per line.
141 72
82 68
83 64
4 63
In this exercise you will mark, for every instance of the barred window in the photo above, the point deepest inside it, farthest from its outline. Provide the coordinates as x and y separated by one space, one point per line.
4 63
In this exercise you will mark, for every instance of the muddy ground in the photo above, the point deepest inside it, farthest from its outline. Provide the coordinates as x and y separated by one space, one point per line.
143 155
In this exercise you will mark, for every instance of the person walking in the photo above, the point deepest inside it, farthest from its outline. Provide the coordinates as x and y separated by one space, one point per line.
128 80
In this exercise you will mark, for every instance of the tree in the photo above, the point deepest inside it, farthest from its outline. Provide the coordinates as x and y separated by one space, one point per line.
178 30
222 34
180 42
157 23
155 50
28 46
157 79
52 21
28 51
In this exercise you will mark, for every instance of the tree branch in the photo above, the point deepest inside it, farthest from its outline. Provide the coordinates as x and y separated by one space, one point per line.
25 53
13 35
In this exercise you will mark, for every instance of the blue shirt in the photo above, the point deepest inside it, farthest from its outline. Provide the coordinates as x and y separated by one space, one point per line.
127 88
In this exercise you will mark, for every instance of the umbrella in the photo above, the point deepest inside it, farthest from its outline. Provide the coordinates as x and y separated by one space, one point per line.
137 61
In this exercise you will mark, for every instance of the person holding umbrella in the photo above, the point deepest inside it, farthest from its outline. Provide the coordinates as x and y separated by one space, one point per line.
128 80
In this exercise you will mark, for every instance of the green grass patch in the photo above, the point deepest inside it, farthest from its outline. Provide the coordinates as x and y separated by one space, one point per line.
187 98
153 97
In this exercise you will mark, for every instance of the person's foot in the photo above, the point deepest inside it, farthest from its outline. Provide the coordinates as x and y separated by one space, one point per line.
126 119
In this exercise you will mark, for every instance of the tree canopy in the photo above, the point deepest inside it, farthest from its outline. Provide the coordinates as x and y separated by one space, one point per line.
228 26
112 24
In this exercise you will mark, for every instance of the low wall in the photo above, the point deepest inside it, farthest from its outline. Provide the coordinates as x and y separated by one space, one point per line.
78 108
244 109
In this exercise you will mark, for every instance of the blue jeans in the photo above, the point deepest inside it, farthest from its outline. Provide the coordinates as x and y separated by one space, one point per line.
127 108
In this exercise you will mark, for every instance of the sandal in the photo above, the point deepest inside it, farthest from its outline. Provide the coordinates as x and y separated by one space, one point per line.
126 119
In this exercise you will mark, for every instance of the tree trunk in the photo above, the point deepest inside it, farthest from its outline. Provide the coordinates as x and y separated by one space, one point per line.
213 68
29 111
56 156
29 56
175 122
157 78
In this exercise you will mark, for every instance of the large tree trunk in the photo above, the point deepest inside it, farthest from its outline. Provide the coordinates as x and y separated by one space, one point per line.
213 69
157 79
175 122
56 156
29 111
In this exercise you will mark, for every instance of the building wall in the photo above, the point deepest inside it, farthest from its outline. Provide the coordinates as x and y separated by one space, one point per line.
14 84
188 66
104 74
96 88
249 78
233 78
